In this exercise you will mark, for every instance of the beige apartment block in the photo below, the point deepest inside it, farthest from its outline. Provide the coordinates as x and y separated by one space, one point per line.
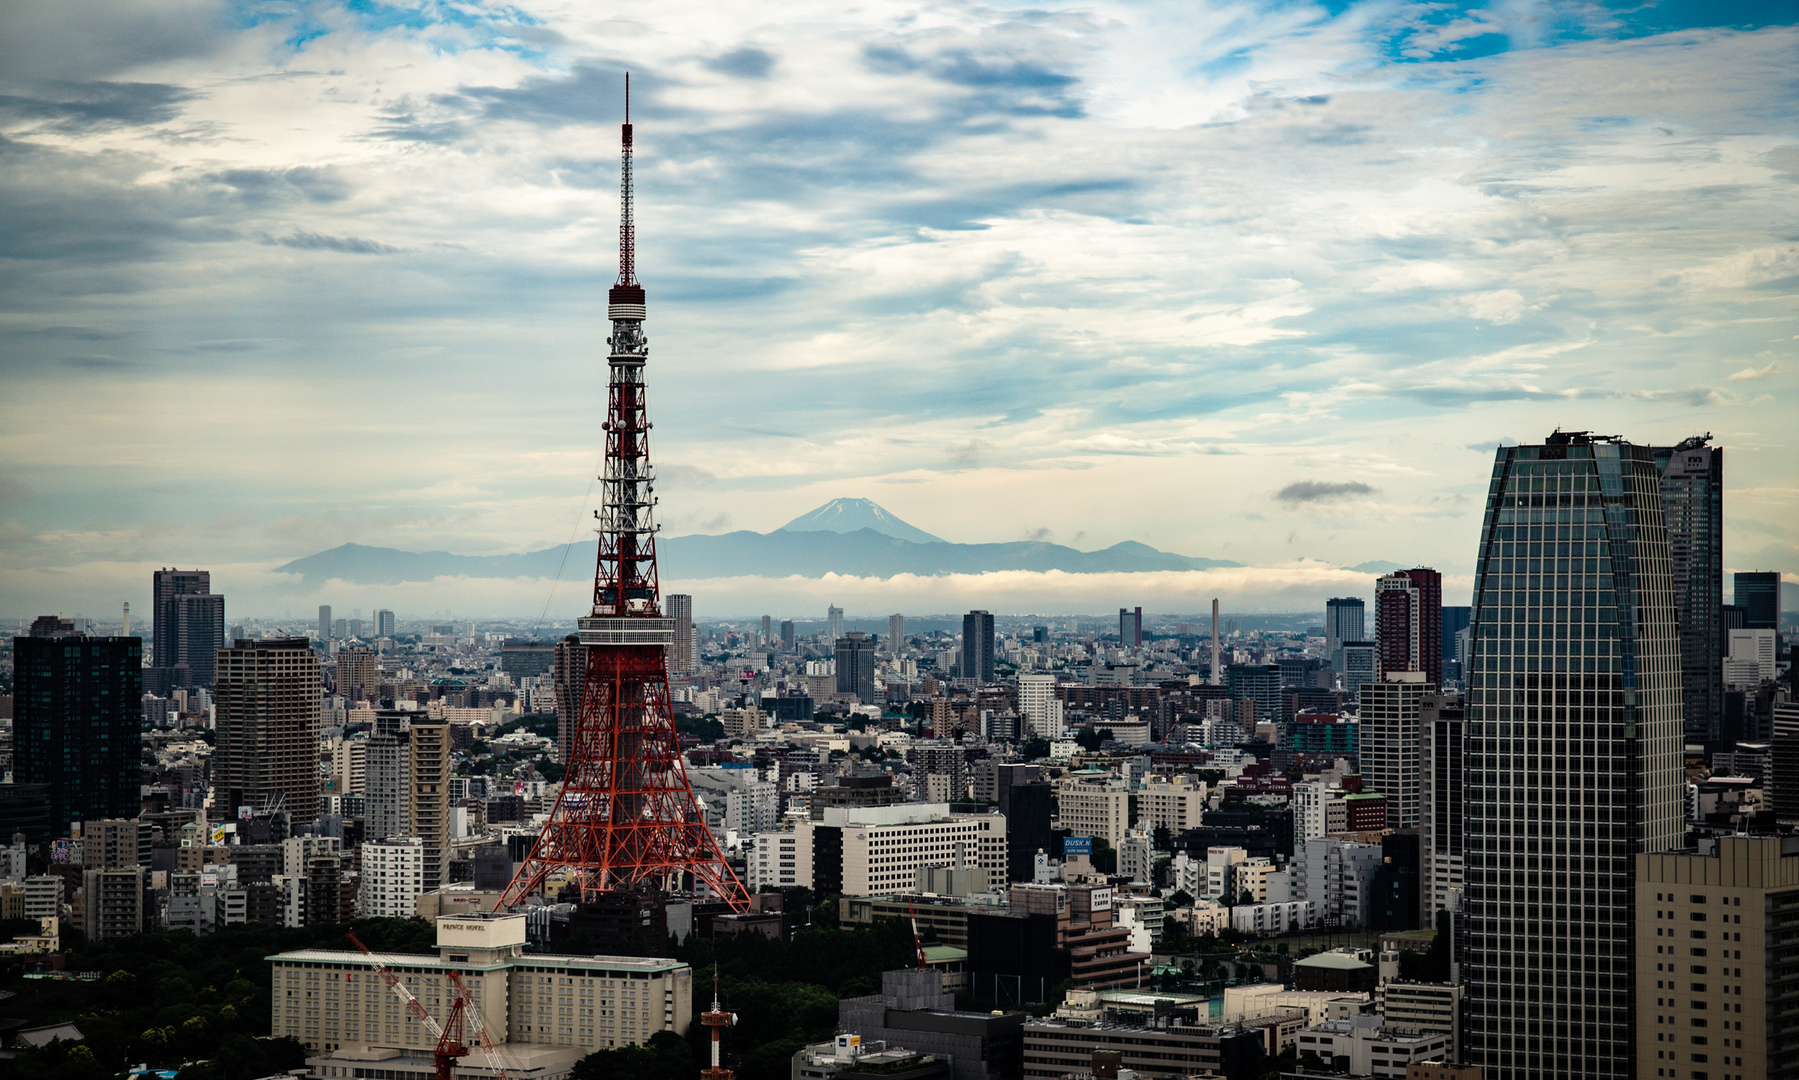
1717 934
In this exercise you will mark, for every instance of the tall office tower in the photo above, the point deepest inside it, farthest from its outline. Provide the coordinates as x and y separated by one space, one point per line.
1388 743
1757 592
384 623
1455 620
77 706
356 629
767 631
268 728
430 783
1697 1017
1342 622
324 625
682 657
188 620
1217 648
833 622
856 666
571 678
1692 489
788 641
357 677
896 635
1573 755
1440 797
1130 628
1408 623
977 646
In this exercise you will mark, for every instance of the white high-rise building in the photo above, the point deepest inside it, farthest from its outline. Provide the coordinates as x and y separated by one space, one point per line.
1388 742
834 623
774 861
682 657
1037 701
1750 659
896 635
392 878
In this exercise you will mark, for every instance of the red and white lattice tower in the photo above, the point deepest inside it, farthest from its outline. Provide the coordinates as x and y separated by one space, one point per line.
626 816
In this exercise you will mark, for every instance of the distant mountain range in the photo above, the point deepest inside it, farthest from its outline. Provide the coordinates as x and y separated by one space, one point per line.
844 536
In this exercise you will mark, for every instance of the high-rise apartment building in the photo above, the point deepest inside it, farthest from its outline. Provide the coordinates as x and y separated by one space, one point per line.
268 714
1573 753
188 619
1258 683
1440 796
384 623
896 635
1389 743
324 625
1130 628
1715 950
1757 592
357 678
1343 621
392 878
1408 623
77 707
856 666
1692 487
833 623
571 681
431 796
387 779
977 646
682 655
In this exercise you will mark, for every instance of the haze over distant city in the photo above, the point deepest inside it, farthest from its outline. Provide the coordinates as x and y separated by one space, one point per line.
1258 286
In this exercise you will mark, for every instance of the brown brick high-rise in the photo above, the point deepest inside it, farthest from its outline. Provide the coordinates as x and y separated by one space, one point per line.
268 728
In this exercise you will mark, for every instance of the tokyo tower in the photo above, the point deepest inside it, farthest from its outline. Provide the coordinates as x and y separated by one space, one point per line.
626 816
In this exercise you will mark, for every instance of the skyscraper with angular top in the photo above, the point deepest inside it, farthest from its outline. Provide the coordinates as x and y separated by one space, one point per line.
1692 486
1573 753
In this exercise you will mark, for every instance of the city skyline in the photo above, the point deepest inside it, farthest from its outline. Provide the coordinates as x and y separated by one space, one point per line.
1331 279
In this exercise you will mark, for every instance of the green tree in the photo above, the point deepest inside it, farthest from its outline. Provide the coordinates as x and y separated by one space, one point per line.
1105 856
666 1056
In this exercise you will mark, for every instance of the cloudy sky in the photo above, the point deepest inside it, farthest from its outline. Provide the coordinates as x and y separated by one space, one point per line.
1262 282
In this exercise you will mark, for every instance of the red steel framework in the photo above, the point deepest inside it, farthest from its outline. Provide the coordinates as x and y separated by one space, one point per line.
626 816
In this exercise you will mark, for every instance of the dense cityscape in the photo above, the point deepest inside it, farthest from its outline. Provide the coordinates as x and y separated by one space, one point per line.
1536 821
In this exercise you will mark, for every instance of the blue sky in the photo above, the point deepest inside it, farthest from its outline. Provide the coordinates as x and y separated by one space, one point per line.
277 276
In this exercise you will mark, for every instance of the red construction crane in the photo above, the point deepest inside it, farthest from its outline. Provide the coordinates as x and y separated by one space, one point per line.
451 1044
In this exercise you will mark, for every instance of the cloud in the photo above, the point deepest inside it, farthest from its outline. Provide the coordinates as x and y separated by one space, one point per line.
74 108
745 63
13 489
1311 491
350 245
1752 373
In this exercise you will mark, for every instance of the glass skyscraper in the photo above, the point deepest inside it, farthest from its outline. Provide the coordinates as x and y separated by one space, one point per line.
1573 752
1757 592
1692 483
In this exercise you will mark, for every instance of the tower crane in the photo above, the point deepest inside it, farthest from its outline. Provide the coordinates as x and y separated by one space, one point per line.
452 1035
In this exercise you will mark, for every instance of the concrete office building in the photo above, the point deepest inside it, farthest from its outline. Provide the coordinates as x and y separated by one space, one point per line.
789 641
1574 739
548 1009
1130 628
833 622
1093 809
1360 664
1388 743
76 713
896 635
869 851
977 646
1692 490
267 751
324 625
384 623
1440 794
914 1010
1715 952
